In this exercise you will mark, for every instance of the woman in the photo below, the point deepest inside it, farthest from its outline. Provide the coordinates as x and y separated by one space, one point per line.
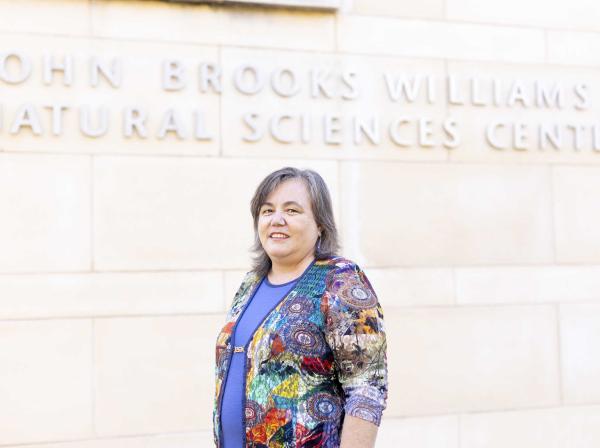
301 360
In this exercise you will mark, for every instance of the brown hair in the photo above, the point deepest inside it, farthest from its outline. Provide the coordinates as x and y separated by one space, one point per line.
320 202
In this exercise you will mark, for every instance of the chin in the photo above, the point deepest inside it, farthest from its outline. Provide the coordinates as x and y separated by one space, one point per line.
277 254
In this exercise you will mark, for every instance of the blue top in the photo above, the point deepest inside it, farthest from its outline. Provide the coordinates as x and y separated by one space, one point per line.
266 298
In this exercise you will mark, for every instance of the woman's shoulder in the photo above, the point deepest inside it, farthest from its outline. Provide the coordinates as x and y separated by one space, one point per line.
347 286
339 264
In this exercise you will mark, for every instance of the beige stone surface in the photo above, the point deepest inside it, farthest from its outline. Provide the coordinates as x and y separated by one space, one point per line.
66 17
369 102
527 284
45 210
394 287
397 287
180 213
568 427
119 256
141 87
430 432
154 374
187 440
110 294
576 213
576 14
523 116
431 39
245 26
45 381
467 359
440 214
423 9
572 47
580 364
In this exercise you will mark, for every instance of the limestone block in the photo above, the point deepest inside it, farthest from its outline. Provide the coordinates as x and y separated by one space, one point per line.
154 374
537 428
579 337
576 213
468 359
154 20
45 381
527 284
180 213
432 9
146 98
525 113
577 14
427 432
396 287
571 47
187 440
321 105
244 26
439 214
110 294
66 17
45 209
428 39
268 28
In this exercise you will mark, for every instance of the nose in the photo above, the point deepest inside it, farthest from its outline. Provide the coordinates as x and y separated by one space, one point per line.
277 218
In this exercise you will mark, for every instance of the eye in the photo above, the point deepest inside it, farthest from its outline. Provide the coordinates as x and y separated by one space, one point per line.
292 210
266 211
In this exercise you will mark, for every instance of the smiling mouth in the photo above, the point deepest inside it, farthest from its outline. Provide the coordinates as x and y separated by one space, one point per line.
278 236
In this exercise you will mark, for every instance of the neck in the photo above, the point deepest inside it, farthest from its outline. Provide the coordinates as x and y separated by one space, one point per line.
284 272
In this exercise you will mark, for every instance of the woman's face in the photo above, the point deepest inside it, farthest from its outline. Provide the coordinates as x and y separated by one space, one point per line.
286 225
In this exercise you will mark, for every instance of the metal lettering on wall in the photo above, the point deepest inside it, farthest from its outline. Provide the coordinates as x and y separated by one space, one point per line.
317 86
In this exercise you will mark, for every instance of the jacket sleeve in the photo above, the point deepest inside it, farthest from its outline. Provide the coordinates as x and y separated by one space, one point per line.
356 335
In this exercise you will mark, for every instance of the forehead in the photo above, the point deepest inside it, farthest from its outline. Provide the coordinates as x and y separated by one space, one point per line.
290 190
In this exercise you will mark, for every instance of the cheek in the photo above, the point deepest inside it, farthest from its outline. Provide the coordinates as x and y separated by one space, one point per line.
262 228
309 230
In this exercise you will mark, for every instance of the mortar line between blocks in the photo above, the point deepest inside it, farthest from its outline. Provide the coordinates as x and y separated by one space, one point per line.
559 356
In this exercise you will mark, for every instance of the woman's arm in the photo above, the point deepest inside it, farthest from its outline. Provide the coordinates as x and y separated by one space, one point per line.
358 433
355 332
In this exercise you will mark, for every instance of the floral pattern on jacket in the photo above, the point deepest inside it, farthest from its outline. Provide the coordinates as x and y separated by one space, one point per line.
319 355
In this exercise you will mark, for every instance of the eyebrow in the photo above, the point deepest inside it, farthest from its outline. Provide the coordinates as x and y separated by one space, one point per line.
285 204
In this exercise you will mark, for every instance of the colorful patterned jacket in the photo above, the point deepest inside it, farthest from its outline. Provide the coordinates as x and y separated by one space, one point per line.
319 355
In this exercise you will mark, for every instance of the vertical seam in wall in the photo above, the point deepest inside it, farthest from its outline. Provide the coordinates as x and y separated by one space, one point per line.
545 31
336 47
220 60
224 293
446 74
552 213
90 17
93 377
454 287
458 429
342 224
559 355
92 229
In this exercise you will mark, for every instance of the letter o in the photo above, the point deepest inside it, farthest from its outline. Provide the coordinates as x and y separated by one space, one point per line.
24 62
280 87
258 79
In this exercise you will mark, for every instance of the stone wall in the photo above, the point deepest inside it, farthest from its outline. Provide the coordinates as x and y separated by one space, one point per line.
463 183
